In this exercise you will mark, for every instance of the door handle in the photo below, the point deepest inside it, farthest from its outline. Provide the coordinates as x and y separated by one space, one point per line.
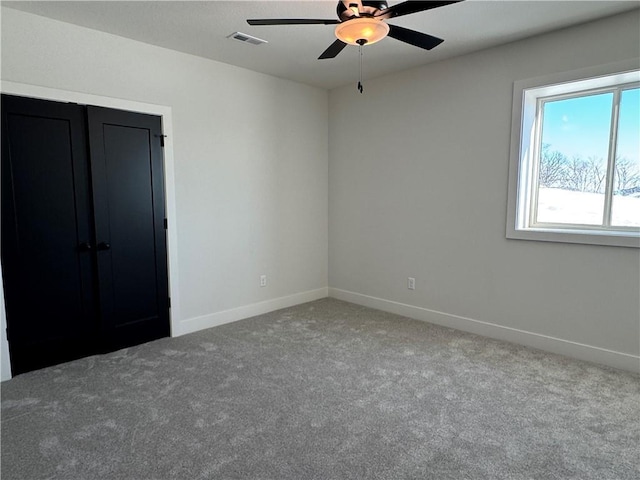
84 247
104 246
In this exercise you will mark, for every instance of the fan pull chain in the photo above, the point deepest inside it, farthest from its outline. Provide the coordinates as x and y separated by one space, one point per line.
360 88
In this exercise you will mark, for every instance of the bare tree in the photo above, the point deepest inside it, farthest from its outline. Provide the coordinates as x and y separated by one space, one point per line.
577 175
597 173
556 170
552 167
627 174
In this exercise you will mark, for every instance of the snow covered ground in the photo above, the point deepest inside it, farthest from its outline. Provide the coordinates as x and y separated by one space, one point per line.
556 205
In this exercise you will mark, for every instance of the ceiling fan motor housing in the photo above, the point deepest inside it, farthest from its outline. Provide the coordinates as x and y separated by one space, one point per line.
369 9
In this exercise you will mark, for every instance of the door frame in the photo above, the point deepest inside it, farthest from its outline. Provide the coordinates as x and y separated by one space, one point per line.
163 111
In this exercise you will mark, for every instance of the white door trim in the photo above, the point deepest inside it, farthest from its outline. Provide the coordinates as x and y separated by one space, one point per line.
34 91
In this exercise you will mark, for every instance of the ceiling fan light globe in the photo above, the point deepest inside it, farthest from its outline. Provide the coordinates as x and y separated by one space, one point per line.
368 29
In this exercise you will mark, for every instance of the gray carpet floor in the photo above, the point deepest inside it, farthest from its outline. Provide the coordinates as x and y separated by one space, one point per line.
324 390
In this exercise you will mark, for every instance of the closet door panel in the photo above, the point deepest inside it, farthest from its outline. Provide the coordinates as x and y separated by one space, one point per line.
46 218
129 197
131 228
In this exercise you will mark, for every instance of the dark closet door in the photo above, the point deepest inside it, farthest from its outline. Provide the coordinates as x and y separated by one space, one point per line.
47 264
128 192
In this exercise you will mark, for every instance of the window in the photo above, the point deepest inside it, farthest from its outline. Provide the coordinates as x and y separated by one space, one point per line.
575 159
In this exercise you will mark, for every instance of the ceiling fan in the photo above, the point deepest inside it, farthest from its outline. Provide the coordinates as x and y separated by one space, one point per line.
362 22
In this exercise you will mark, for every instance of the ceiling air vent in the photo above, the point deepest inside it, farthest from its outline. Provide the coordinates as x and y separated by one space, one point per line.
243 37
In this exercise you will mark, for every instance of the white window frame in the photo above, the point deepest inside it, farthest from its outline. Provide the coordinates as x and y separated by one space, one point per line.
528 96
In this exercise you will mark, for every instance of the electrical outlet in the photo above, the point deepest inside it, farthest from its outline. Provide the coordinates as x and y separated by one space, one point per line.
411 283
263 280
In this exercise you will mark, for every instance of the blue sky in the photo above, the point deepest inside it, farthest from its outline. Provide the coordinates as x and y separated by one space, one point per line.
580 126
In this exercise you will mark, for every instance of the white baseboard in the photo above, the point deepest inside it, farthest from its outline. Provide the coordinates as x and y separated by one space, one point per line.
559 346
194 324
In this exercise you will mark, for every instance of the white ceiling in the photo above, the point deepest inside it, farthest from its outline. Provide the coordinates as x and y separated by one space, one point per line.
201 28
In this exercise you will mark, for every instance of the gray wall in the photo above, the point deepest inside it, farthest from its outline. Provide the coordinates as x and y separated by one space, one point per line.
422 192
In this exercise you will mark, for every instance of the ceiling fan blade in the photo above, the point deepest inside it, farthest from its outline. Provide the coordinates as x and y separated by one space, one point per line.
412 37
292 21
406 8
334 49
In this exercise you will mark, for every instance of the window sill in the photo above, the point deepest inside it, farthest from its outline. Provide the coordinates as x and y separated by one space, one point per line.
587 237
